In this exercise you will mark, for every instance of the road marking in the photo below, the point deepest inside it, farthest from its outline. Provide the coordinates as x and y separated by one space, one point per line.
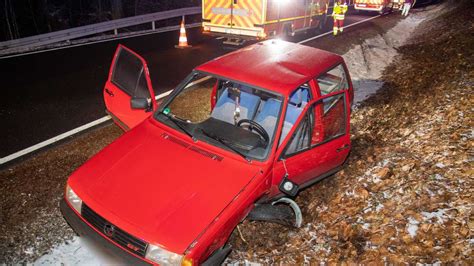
64 135
166 29
107 118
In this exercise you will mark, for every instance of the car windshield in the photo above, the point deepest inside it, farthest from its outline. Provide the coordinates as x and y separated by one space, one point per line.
224 113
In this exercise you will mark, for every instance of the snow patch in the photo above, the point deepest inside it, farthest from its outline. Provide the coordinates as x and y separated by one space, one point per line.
379 207
367 61
440 215
79 251
412 226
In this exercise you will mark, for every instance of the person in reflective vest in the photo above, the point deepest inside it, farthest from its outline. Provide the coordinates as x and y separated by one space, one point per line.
338 14
406 7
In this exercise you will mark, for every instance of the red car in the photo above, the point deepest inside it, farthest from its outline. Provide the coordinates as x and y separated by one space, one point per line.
241 133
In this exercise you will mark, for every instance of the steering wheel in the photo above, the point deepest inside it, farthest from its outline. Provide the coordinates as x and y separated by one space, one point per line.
254 126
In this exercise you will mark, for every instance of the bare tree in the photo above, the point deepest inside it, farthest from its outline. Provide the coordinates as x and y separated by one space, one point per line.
137 2
33 17
8 20
117 9
99 9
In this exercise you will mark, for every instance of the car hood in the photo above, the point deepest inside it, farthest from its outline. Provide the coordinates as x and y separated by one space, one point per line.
158 187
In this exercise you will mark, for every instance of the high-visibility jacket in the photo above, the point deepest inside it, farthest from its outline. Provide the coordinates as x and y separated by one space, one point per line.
339 10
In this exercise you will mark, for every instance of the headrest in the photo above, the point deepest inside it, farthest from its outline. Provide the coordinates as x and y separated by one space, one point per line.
233 93
297 97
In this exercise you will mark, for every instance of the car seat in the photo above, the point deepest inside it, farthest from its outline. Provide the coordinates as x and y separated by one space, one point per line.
225 106
296 103
268 116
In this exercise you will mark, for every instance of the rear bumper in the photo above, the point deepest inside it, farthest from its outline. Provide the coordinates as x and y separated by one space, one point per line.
83 229
251 33
368 7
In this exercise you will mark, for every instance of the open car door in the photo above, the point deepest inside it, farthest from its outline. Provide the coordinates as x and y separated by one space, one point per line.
319 143
128 93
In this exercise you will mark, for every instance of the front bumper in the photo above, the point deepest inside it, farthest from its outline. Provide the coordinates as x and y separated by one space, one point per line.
83 229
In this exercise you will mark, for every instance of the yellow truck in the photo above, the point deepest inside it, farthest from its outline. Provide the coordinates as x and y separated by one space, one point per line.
260 19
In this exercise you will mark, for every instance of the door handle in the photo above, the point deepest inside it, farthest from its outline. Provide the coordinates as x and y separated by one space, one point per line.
109 92
343 148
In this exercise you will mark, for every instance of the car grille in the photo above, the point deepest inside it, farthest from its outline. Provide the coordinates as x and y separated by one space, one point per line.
119 236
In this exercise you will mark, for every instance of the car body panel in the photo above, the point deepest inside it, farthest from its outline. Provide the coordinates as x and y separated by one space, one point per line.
117 100
275 65
154 187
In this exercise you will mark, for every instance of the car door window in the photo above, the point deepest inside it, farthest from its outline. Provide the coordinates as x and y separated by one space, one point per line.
300 140
323 122
129 76
296 103
333 80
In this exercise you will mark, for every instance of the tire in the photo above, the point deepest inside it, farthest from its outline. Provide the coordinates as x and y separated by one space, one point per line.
280 214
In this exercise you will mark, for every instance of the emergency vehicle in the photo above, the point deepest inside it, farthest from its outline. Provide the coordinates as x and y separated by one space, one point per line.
259 19
380 6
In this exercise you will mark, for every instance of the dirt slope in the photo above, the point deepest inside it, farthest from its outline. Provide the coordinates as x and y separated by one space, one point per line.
407 192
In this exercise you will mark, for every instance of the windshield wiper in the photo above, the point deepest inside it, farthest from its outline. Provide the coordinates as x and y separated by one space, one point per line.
223 142
178 122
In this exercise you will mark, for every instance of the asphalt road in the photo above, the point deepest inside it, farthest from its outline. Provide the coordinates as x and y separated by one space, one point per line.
46 94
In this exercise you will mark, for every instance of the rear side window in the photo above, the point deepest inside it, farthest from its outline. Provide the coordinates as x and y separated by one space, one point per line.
330 119
333 80
129 75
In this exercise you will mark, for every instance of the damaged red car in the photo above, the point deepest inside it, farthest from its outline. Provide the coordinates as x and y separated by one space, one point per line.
237 139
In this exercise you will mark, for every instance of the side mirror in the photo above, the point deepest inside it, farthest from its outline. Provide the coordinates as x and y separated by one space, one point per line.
140 103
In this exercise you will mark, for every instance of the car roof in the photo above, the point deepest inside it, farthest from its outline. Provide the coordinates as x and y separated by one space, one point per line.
274 65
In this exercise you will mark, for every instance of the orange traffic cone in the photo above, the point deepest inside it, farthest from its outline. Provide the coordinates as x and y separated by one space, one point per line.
183 40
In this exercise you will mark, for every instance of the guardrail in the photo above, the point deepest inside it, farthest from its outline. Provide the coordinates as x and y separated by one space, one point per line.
73 33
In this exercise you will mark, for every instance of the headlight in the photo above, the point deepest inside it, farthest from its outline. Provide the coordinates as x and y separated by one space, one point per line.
163 257
73 199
